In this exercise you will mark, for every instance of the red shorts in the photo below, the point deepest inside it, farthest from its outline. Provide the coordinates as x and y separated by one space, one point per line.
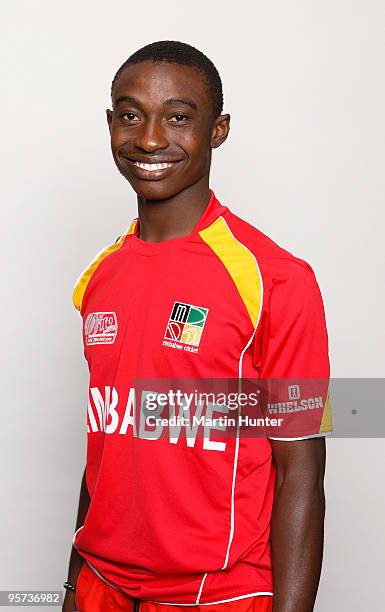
95 595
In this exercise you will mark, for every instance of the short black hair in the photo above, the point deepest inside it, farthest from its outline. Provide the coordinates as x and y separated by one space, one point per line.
180 53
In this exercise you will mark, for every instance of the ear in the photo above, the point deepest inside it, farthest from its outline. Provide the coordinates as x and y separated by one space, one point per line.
109 114
220 131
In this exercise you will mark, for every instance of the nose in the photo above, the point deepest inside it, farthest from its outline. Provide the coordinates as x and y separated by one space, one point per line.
151 136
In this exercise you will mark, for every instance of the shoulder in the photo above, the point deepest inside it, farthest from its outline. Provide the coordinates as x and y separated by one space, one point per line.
275 262
85 277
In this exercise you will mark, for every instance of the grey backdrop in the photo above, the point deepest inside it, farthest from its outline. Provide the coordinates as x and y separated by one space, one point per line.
304 82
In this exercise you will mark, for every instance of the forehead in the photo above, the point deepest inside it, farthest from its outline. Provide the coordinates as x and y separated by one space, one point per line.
152 82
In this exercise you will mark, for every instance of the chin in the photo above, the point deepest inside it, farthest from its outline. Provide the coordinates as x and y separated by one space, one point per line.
155 190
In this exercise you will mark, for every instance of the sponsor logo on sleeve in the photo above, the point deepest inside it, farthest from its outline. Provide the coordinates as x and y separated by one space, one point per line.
100 328
293 392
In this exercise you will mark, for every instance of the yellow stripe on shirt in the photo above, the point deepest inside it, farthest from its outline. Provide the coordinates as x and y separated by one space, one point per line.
239 262
85 277
326 423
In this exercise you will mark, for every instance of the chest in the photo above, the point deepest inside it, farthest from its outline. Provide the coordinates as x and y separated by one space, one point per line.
164 316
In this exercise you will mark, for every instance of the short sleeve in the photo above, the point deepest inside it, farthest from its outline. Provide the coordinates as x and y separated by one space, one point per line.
294 365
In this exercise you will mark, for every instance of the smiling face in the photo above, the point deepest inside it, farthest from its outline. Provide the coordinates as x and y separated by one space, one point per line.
162 128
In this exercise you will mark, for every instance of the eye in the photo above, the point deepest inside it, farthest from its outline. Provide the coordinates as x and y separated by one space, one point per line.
178 118
129 116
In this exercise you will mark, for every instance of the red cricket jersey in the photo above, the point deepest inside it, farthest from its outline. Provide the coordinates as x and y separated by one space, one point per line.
185 519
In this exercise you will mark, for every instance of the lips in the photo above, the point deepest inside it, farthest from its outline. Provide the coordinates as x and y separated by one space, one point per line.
151 170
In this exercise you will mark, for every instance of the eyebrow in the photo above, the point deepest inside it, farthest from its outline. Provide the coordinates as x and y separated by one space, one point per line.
181 101
126 99
168 102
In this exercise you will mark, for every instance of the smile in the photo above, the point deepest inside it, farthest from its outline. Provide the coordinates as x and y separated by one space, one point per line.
151 171
152 167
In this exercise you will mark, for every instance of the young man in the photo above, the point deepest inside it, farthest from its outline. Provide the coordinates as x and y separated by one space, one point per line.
191 291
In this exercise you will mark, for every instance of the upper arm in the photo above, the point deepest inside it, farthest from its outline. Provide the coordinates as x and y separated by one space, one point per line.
294 354
301 460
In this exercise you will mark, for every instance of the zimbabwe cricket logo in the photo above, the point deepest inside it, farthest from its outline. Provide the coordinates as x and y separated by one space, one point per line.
186 323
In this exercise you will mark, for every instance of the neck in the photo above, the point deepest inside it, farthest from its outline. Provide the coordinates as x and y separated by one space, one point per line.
174 217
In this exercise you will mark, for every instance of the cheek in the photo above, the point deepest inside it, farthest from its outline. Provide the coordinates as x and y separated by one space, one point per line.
197 147
119 136
116 139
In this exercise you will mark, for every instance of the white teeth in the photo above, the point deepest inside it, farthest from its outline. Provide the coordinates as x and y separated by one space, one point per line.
153 166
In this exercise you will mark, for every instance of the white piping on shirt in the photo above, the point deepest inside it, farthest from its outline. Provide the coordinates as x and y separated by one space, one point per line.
200 589
104 579
231 535
210 603
76 532
318 435
236 453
